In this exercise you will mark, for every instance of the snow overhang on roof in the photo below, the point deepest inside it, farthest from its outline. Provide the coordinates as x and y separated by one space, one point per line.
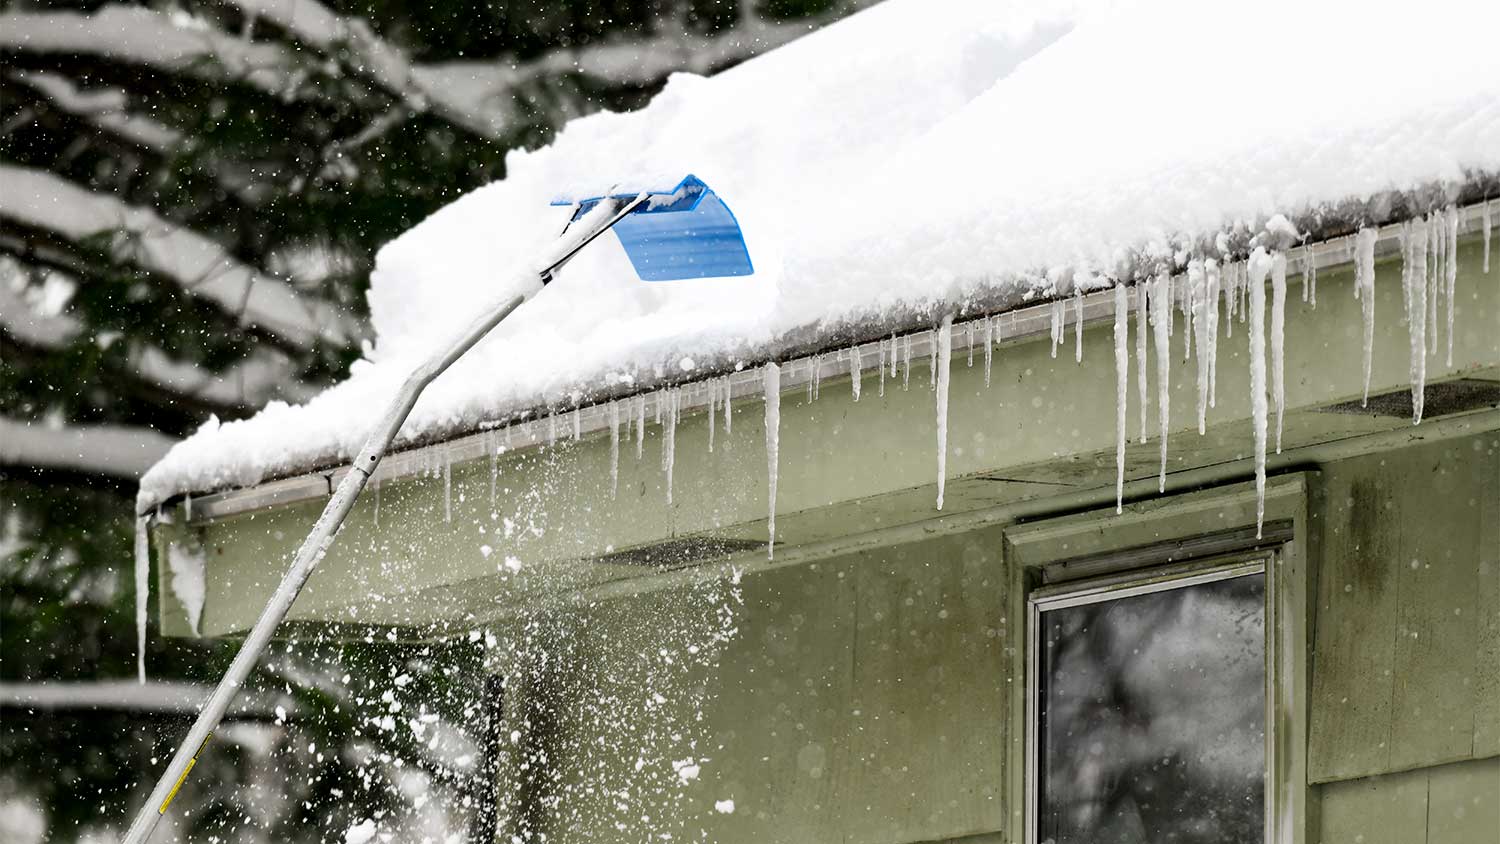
907 162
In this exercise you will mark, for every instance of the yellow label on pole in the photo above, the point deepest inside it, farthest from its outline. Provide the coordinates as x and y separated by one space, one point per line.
180 780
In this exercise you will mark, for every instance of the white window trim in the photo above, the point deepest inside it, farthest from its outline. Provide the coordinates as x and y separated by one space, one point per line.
1042 555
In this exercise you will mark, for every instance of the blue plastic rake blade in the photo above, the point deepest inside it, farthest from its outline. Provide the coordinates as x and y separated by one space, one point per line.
687 232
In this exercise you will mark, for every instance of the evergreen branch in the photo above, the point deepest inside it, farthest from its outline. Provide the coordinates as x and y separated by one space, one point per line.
247 385
647 61
143 36
483 110
474 95
199 265
103 108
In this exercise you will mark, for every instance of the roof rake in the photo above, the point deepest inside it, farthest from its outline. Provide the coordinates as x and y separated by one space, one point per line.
686 232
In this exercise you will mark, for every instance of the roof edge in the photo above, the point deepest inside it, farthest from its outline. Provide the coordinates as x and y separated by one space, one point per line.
1022 302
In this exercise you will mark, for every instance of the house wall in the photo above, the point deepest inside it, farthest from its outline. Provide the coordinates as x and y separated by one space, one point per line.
412 554
863 696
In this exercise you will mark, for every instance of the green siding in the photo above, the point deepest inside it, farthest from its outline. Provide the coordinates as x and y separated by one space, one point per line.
1044 425
860 701
867 696
1449 804
1405 663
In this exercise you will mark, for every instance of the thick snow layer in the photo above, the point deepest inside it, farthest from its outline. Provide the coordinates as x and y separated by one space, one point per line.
904 160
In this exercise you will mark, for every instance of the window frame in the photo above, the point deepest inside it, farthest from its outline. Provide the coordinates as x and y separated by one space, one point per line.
1163 535
1128 583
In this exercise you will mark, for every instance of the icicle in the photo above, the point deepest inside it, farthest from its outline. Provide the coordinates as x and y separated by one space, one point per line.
1259 265
713 411
1364 291
1078 329
1485 217
1278 336
728 405
1306 263
1058 319
661 397
1451 268
1197 288
906 363
577 424
669 437
812 377
1141 330
1245 294
640 425
771 379
1122 387
447 486
142 591
1189 321
1211 331
1231 296
970 340
944 360
495 463
1434 242
1161 317
989 347
187 506
614 453
856 364
881 350
932 361
894 341
1310 277
1415 282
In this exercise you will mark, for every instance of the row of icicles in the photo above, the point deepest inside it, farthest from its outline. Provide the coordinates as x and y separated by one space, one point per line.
1428 278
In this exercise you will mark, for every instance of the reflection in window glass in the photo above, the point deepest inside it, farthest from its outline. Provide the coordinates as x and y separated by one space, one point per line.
1152 717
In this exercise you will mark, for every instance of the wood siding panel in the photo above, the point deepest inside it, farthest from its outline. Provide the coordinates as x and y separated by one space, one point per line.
1463 803
1487 689
1435 659
1354 645
1376 810
1449 804
861 700
1405 654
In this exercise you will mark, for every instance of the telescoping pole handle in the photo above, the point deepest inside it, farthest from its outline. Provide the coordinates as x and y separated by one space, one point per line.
327 527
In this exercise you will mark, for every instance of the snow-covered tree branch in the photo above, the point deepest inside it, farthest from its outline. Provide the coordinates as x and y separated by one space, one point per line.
642 62
477 95
200 266
105 108
144 36
265 374
118 451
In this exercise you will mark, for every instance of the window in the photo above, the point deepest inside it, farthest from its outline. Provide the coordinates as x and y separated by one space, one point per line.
1146 719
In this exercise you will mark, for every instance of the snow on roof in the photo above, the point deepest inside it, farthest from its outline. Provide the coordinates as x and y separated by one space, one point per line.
906 160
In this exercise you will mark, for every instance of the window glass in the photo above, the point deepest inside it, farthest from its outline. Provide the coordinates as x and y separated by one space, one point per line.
1151 717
